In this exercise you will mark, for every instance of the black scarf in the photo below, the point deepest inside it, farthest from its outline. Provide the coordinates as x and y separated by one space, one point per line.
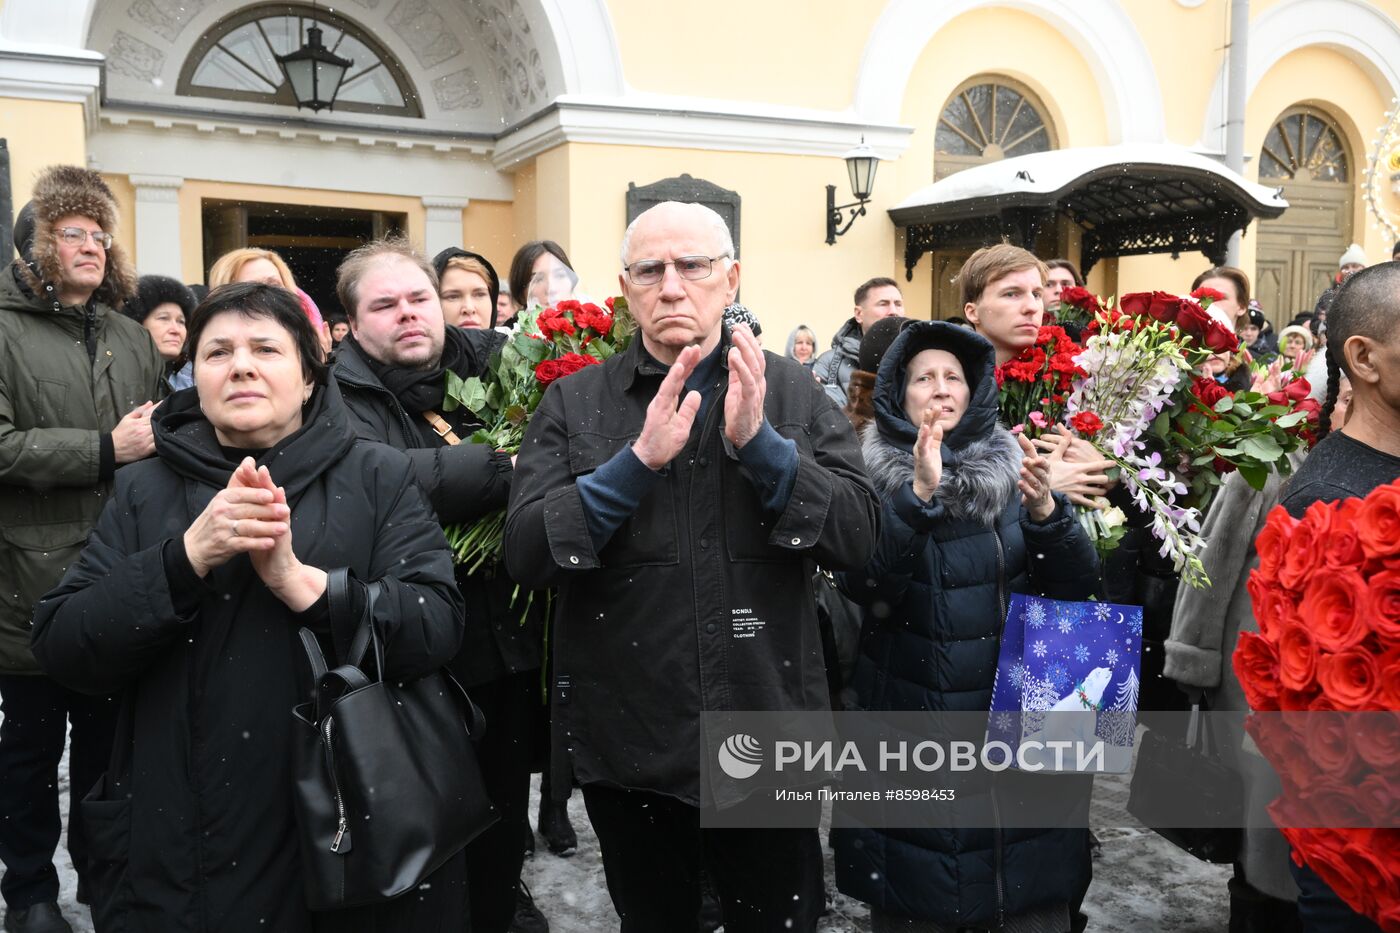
420 390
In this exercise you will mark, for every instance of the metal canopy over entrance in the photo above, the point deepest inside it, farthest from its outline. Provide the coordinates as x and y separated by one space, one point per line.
1129 200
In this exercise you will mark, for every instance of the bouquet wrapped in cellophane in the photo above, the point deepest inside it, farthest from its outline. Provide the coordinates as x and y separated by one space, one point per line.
1136 392
545 345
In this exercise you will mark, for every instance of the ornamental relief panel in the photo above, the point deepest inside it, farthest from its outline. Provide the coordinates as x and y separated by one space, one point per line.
166 18
510 41
130 56
425 31
458 91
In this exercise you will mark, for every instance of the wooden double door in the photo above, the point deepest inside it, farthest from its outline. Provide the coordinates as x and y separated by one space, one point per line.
1306 153
1298 252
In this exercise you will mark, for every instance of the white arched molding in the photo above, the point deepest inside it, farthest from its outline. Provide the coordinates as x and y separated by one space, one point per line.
1113 51
586 44
54 27
42 54
1352 28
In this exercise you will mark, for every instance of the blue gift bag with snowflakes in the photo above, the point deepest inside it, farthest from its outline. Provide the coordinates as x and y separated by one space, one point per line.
1068 657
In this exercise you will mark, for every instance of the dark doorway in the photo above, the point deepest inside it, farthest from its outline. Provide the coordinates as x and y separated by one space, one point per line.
313 240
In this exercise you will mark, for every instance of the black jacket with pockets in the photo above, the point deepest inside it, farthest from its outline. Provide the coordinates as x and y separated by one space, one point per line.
700 601
192 827
463 483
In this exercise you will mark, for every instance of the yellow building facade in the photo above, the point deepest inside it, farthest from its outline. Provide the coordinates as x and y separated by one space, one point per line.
488 123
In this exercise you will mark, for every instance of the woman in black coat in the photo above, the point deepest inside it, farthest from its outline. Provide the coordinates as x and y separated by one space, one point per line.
967 518
187 602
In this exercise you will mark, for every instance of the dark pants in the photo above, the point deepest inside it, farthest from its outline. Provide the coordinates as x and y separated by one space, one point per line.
438 905
654 850
1321 910
1253 911
37 712
494 858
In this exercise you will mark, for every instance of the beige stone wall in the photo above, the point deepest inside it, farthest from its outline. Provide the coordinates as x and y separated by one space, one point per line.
40 133
796 54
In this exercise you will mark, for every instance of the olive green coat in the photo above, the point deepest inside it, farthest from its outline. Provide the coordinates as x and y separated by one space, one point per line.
55 404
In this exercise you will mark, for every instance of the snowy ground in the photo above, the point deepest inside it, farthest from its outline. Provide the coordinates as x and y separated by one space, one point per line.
1141 882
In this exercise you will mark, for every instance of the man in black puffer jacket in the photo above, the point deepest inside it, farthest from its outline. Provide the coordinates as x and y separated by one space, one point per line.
392 372
950 553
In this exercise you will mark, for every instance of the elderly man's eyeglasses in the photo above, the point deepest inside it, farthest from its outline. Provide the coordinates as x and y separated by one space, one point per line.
651 271
77 236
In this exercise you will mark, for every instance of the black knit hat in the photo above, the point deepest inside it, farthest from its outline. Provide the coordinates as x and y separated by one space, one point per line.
152 291
877 340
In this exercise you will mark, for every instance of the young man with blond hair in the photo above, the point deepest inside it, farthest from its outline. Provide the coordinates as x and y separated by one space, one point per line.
1002 288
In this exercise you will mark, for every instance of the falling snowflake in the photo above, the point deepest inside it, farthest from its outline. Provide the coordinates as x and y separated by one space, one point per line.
1135 625
1034 615
1066 626
1081 653
1003 722
1110 657
1018 675
1039 649
1057 675
1102 612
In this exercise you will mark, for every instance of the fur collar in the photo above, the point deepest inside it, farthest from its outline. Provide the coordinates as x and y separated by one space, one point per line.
977 489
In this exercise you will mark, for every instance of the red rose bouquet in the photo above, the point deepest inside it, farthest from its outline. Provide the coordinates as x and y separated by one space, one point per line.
1078 307
1326 595
545 345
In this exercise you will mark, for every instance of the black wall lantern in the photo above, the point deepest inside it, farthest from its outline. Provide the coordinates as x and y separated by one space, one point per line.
861 163
314 72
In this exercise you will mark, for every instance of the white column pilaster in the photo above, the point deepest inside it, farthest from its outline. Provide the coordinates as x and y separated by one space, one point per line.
444 223
158 225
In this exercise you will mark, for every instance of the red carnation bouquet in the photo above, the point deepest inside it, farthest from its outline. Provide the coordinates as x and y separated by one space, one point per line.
545 345
1326 595
1034 385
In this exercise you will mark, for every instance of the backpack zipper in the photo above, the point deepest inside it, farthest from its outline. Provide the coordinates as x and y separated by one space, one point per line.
342 831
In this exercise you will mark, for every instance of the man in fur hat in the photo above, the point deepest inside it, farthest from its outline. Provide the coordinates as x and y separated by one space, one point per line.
77 380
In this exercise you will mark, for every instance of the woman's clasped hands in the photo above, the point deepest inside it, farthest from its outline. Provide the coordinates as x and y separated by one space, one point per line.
251 516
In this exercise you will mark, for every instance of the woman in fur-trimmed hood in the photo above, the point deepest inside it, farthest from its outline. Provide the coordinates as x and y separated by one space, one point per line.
967 518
